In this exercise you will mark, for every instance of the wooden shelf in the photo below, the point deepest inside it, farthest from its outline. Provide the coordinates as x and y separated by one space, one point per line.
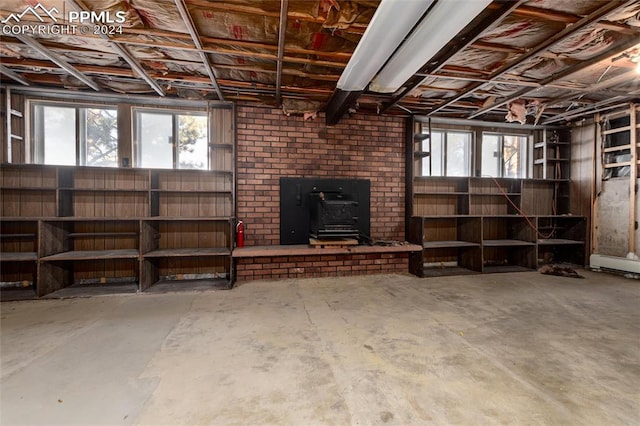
440 193
447 271
116 190
92 255
505 269
188 252
18 257
506 243
559 241
188 192
494 194
448 244
27 188
17 236
102 234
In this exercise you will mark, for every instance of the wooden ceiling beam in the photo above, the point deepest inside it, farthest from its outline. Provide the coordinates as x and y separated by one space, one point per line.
229 52
252 10
129 33
546 14
195 37
282 33
487 20
570 18
14 76
496 47
59 61
595 16
615 50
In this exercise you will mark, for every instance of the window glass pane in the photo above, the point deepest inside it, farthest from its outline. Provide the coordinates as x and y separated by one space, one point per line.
155 145
192 138
458 152
59 135
490 155
435 159
101 137
512 156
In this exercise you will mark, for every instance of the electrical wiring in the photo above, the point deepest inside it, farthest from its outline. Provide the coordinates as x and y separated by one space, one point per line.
522 213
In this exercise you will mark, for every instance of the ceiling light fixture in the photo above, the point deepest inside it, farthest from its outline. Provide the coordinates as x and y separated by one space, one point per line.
390 24
446 19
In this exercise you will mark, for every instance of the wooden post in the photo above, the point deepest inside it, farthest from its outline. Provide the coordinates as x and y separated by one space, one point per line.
632 178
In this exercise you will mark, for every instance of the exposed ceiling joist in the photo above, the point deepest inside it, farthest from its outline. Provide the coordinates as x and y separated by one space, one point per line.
230 52
246 50
252 10
487 20
609 54
191 28
604 105
613 81
282 31
123 52
211 42
29 41
14 76
602 11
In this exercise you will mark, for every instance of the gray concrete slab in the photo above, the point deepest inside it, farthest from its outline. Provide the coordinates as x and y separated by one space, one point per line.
519 348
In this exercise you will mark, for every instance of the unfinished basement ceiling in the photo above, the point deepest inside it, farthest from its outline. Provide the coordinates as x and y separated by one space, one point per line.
534 61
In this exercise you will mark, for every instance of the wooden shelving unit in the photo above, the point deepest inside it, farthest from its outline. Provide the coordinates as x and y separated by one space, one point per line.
451 245
468 225
19 256
194 249
562 238
551 161
131 229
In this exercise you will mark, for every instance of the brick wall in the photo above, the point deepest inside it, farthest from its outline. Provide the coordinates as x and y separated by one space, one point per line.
272 145
260 268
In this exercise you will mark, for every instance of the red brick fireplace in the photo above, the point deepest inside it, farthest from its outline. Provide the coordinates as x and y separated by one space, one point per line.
272 145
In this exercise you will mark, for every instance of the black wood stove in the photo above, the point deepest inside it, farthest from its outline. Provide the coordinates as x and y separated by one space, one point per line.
323 209
333 215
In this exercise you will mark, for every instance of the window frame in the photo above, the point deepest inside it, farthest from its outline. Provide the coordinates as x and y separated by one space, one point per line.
175 121
36 123
444 169
525 160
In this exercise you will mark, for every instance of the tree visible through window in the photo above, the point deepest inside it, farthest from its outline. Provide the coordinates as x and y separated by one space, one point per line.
66 135
101 137
504 155
155 135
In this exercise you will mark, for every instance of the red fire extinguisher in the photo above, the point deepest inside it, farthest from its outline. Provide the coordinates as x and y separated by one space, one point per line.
240 234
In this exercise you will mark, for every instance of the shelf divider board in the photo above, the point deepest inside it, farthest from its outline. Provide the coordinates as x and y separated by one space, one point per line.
149 236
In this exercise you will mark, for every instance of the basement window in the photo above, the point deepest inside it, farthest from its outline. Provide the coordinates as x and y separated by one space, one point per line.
171 140
449 153
504 155
70 135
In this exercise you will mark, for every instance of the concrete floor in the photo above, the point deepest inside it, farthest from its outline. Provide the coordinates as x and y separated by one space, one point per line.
519 348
